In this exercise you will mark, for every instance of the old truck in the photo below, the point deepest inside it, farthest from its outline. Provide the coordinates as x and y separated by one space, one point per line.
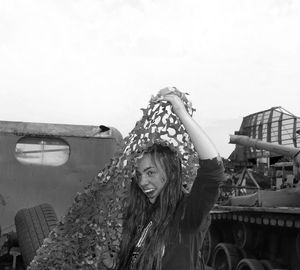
42 167
256 223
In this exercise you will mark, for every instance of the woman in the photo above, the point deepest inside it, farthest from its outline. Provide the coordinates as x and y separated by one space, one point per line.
162 223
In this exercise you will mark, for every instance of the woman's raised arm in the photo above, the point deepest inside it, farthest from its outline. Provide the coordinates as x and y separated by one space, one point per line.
203 145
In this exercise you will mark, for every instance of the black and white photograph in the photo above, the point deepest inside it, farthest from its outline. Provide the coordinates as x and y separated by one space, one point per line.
149 135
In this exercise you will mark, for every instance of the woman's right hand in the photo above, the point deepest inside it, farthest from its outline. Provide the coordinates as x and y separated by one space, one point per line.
108 260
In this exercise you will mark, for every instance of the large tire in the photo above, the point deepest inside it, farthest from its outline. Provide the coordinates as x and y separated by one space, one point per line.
226 256
33 226
249 264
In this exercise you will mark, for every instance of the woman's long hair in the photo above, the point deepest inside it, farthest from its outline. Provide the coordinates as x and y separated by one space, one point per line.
161 213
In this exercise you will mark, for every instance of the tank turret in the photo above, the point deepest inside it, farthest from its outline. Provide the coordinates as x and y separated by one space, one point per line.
287 151
256 222
253 227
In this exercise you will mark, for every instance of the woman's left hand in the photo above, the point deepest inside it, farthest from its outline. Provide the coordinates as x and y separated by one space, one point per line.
169 95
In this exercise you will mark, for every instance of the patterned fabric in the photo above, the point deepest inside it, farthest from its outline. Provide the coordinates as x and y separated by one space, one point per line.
93 225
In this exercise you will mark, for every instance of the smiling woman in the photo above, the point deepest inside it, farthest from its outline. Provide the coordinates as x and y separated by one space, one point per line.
151 173
145 209
161 224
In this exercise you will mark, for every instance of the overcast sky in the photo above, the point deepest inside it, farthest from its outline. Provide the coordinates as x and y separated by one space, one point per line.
99 61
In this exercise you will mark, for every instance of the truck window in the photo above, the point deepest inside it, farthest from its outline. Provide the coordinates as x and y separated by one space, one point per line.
42 151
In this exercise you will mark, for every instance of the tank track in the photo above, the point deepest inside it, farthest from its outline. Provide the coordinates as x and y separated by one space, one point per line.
281 217
244 237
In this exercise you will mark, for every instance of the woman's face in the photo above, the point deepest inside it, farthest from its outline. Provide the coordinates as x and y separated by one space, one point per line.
150 179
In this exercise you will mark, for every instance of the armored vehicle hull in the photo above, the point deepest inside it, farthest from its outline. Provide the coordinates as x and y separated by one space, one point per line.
255 227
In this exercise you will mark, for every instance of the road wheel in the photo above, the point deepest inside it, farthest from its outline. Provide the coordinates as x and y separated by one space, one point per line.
226 256
250 264
243 235
33 226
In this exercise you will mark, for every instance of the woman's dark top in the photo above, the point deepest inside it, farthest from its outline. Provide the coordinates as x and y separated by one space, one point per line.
192 219
193 216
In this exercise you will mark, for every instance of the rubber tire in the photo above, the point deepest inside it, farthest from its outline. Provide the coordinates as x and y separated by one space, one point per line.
247 240
231 253
250 264
266 264
33 226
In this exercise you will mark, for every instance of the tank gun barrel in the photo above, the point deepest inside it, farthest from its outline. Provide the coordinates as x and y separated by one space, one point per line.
287 151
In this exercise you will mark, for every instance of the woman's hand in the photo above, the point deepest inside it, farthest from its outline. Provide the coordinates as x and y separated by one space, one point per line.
168 94
108 260
203 145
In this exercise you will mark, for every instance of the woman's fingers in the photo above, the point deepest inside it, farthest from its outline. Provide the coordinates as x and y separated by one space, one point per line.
108 260
166 91
164 94
170 94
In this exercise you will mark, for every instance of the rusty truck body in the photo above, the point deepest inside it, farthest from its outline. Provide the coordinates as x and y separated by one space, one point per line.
42 167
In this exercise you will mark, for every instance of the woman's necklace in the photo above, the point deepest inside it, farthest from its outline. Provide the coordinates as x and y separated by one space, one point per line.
140 244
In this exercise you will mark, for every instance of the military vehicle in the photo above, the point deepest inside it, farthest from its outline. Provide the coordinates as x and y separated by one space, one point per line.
256 223
42 167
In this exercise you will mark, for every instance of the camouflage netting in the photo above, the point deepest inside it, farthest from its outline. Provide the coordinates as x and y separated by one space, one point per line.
93 225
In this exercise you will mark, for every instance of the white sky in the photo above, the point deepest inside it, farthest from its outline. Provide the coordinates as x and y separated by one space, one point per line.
99 61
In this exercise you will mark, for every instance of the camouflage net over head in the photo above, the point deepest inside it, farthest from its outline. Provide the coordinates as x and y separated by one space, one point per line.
92 227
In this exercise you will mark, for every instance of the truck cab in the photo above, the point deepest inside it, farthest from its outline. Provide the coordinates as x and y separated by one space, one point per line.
42 168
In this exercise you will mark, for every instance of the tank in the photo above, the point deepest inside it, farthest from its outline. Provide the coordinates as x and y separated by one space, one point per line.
255 227
286 151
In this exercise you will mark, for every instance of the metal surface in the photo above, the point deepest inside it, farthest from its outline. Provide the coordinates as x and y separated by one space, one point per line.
275 125
271 148
246 141
263 220
27 185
